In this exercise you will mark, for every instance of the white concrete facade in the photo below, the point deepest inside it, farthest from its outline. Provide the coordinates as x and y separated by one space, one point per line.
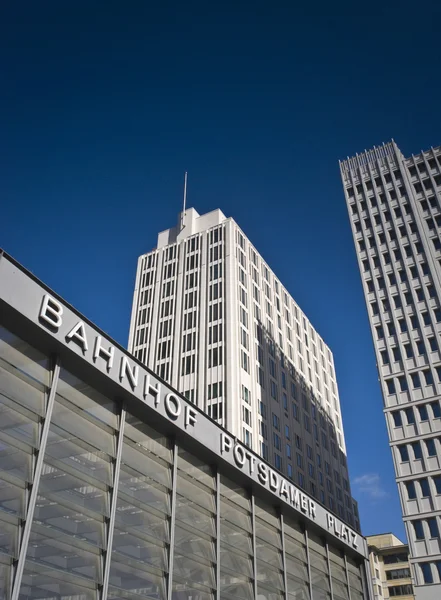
212 319
394 209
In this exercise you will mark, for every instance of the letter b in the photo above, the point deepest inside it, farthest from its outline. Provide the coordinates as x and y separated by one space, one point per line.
51 312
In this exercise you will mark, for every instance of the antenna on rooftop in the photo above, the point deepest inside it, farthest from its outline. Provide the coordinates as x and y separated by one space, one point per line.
185 201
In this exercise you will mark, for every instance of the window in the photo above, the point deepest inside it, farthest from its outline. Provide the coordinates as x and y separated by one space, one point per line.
215 357
404 453
397 574
307 422
403 383
426 572
416 447
418 529
396 354
420 347
433 527
400 590
396 415
411 491
245 361
431 449
426 318
425 489
436 409
295 411
390 559
437 481
409 416
415 380
428 377
390 386
433 344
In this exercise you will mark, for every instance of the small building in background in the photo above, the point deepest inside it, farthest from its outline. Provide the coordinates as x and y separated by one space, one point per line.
390 569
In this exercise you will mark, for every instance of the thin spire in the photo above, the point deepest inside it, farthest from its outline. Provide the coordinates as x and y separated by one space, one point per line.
185 201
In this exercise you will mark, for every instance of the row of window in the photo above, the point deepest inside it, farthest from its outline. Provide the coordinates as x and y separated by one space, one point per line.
377 222
397 574
409 351
424 487
400 590
422 411
425 528
429 444
378 183
427 185
415 379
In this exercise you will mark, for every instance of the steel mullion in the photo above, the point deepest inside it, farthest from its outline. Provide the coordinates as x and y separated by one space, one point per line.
111 523
308 563
253 525
366 580
218 537
347 576
285 575
35 483
172 523
329 570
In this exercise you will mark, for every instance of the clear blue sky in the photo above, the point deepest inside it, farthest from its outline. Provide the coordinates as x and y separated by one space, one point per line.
104 105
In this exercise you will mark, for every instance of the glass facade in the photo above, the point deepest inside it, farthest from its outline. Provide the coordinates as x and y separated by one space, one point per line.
95 504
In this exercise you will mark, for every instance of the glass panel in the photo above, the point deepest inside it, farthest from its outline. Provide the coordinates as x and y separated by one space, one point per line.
264 594
319 568
236 587
68 534
295 558
140 552
268 550
195 533
189 591
338 574
24 386
236 577
39 582
297 589
135 582
355 580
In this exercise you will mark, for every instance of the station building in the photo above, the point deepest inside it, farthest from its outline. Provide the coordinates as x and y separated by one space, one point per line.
113 485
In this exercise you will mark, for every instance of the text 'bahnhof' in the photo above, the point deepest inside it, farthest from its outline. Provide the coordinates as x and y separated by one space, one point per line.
112 485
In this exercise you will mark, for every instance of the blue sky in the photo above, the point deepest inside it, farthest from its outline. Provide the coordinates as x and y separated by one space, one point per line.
105 105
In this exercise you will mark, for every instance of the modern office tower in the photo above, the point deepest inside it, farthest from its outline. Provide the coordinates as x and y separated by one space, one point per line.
390 569
114 486
210 317
394 208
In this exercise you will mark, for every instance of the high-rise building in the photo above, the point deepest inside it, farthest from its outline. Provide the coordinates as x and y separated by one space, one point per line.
394 207
211 318
390 569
